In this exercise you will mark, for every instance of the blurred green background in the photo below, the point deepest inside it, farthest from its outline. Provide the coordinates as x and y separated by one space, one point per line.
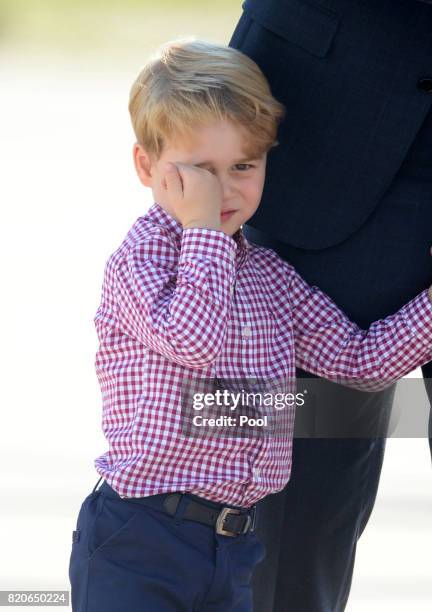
115 27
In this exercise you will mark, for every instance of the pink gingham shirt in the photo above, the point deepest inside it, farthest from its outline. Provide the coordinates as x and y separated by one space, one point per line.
180 302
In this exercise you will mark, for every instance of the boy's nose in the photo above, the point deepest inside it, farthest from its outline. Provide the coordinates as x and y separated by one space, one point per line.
227 189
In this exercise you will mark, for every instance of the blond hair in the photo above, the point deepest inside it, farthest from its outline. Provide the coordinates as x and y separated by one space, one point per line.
190 82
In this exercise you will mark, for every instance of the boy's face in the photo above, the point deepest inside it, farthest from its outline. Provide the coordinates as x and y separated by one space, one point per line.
218 148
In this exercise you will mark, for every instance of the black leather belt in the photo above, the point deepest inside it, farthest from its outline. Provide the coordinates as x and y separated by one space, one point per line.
227 521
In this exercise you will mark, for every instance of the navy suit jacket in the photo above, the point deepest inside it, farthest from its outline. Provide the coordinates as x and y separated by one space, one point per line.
349 76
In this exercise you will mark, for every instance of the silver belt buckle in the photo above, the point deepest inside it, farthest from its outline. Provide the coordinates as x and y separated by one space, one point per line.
221 519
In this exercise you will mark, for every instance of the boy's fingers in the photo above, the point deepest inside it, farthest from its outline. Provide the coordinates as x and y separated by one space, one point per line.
170 171
173 180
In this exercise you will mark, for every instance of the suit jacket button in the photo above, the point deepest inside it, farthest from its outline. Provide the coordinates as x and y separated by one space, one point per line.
425 84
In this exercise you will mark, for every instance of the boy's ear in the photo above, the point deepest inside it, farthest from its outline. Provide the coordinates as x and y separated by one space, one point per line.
143 164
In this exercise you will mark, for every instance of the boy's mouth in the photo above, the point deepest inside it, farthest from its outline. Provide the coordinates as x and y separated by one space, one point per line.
226 214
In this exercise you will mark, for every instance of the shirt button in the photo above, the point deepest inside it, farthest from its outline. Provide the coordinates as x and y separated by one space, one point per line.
257 473
246 332
425 84
233 254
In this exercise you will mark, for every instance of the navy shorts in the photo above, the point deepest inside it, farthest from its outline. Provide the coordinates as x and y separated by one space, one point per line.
127 556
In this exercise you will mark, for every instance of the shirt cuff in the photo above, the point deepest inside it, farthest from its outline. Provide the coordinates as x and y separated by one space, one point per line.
418 315
203 243
207 261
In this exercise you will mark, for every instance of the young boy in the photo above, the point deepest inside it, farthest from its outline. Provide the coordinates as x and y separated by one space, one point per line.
187 297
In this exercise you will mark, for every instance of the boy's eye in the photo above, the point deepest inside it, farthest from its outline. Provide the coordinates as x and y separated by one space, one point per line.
243 167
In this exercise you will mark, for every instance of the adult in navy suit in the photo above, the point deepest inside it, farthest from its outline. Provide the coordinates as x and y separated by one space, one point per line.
348 201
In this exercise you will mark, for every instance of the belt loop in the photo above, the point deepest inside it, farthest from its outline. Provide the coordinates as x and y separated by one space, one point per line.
181 509
94 489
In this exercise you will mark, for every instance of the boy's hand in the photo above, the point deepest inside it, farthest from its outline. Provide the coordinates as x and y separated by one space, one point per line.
194 194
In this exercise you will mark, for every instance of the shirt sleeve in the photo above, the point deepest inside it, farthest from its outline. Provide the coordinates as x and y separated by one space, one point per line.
328 344
178 304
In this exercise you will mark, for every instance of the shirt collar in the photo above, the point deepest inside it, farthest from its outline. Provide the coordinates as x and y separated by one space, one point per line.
159 215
